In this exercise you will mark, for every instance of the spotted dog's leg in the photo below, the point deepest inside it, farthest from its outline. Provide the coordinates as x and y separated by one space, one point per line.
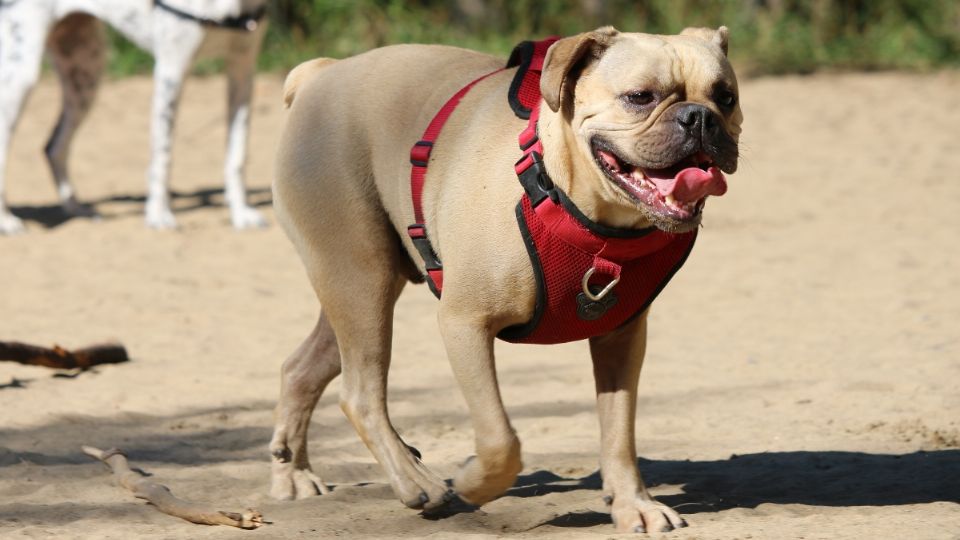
175 44
306 374
23 29
241 66
77 49
617 359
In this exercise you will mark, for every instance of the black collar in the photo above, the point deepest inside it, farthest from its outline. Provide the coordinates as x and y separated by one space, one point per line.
245 21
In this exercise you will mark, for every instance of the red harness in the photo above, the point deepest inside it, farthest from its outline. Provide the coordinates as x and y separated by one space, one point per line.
591 279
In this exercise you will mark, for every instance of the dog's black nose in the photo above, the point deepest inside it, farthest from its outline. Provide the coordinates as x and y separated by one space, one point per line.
697 120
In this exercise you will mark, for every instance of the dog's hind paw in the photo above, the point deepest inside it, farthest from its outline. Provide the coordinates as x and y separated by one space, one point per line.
247 217
645 515
289 483
10 224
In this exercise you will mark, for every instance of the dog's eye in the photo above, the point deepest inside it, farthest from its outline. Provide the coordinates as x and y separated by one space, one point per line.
639 98
725 99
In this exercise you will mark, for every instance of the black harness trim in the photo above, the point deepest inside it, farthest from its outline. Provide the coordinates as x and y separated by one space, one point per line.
520 331
247 22
522 55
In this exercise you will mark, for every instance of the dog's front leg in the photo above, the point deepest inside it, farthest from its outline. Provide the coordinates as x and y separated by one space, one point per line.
241 66
617 359
469 344
175 44
23 30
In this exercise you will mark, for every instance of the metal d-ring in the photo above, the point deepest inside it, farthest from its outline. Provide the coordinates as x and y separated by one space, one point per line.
586 287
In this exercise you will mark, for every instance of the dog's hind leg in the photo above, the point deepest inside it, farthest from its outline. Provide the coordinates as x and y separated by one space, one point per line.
241 67
327 201
617 359
305 375
23 29
354 261
77 49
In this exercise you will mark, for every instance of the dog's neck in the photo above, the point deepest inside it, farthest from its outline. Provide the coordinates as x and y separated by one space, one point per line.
572 169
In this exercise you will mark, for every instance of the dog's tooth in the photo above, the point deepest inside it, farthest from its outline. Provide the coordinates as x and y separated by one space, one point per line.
671 200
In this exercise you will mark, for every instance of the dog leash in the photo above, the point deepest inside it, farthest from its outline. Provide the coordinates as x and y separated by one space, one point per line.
245 21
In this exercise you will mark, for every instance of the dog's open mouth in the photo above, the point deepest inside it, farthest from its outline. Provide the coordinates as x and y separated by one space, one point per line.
676 193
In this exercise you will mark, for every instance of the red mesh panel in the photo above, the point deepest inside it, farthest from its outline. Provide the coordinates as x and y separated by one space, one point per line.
563 266
529 93
529 96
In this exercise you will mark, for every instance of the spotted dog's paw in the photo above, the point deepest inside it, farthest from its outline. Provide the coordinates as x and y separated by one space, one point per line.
247 217
10 224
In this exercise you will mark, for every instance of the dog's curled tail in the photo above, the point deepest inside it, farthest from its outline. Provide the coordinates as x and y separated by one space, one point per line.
301 74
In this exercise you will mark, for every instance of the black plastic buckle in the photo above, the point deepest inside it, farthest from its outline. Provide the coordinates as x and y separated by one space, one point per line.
431 263
418 233
536 182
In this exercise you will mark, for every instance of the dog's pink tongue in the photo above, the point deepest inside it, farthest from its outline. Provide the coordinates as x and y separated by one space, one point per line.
691 184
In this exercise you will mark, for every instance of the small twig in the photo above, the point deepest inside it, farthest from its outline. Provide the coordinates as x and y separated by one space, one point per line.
165 501
60 358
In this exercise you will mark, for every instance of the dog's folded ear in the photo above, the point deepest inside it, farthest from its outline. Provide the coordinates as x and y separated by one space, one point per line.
556 81
719 37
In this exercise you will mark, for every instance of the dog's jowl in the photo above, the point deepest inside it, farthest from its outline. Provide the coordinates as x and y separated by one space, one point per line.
544 199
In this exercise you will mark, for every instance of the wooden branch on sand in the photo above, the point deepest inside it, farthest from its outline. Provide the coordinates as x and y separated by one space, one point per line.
60 358
165 501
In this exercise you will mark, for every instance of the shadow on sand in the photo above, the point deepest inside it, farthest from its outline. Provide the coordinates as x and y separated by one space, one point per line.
814 478
827 478
53 216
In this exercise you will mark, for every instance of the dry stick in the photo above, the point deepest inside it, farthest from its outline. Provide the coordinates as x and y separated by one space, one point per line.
165 501
60 358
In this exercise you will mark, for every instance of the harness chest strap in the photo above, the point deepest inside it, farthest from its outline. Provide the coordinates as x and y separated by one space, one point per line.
523 96
419 159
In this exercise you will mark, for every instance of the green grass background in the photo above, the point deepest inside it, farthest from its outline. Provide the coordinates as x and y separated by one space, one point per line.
767 36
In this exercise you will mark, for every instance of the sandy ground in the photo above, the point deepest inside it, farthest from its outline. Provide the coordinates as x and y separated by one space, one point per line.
803 375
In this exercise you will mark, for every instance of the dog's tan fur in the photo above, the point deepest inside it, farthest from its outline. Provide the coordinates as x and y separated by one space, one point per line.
342 193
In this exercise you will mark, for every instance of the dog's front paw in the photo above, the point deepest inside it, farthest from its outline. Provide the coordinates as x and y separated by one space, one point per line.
160 217
247 217
641 514
481 480
10 224
289 482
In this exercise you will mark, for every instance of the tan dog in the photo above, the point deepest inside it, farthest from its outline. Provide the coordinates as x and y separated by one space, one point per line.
618 111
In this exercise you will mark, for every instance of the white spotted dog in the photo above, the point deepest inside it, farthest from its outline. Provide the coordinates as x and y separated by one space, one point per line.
72 34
